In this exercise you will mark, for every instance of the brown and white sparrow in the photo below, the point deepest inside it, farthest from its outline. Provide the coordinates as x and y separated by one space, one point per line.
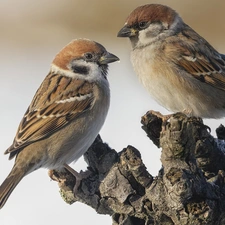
65 115
180 69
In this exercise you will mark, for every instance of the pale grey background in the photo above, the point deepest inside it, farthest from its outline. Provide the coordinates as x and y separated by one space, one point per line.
32 32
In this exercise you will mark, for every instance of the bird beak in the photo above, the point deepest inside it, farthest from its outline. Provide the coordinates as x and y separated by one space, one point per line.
108 58
127 32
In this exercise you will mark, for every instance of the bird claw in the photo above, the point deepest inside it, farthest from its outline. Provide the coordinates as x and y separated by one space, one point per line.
52 175
164 118
79 176
161 116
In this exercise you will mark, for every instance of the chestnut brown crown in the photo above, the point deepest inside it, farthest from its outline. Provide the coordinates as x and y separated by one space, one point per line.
153 13
143 15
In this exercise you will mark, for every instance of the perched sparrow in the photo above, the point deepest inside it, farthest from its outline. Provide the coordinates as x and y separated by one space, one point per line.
65 115
179 68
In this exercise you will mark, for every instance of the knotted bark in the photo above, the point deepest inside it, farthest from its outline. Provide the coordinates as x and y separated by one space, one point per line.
189 188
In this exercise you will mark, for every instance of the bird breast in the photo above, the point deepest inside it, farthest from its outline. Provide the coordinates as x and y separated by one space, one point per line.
173 88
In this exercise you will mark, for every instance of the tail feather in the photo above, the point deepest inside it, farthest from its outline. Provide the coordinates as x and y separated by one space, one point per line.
9 185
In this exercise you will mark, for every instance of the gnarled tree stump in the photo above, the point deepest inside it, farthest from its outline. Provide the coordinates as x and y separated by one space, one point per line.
189 189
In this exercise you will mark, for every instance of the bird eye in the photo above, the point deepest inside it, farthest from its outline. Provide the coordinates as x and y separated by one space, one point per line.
88 56
142 24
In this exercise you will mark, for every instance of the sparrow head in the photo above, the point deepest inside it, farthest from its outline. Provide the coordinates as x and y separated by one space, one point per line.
149 23
83 59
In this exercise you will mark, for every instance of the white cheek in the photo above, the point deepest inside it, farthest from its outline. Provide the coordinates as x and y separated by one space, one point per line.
143 39
94 71
93 75
151 34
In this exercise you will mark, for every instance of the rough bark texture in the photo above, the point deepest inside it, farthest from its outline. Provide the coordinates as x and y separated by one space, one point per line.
189 189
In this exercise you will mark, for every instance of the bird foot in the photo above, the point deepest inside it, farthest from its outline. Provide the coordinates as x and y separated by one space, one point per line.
52 175
164 118
78 176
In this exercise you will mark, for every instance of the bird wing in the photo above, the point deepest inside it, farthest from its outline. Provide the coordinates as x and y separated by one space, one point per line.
206 69
196 56
57 102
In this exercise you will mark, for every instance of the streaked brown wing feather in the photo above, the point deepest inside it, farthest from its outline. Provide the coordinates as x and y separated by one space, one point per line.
208 70
46 114
198 58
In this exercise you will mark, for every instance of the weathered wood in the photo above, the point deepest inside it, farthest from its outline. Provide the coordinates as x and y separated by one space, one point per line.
189 189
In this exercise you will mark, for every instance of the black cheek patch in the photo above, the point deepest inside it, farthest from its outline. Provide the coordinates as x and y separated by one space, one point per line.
84 70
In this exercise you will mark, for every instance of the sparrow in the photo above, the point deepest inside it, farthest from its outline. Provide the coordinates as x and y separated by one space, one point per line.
65 115
179 68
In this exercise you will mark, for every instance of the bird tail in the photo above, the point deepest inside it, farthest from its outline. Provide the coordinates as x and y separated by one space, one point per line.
9 185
